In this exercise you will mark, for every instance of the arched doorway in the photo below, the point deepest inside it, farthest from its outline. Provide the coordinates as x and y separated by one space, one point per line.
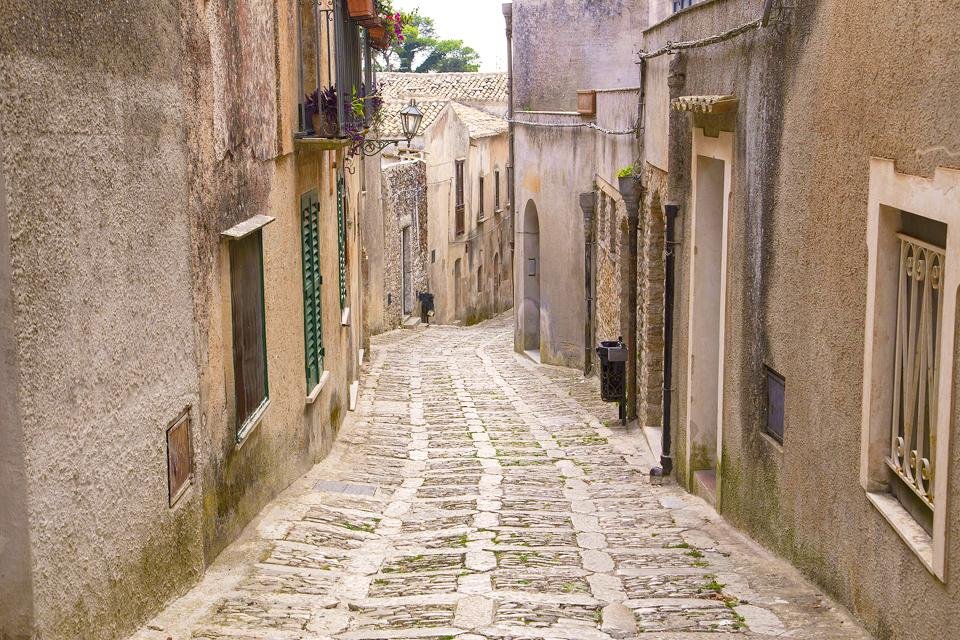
531 279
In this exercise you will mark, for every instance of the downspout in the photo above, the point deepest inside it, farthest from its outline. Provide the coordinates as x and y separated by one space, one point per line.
632 202
588 204
669 279
508 19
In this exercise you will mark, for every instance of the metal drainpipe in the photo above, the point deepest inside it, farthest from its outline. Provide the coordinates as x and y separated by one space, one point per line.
508 19
666 459
588 203
633 221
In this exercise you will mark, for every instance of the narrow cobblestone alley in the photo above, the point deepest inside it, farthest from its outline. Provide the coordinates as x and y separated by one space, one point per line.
475 495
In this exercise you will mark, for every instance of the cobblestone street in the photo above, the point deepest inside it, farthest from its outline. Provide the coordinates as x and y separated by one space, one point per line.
476 495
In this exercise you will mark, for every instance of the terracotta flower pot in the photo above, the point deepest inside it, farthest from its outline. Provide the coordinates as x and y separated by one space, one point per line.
378 37
361 9
629 189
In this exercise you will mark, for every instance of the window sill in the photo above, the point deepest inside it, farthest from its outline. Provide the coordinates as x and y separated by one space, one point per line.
345 317
906 527
312 397
252 423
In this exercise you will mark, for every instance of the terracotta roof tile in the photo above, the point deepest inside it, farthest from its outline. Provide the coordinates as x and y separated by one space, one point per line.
479 123
461 87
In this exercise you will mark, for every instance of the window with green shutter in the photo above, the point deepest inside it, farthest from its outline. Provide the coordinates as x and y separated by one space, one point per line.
312 281
342 238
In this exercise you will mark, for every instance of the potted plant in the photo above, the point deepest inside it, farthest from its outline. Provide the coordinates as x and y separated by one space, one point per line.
323 115
629 184
379 38
361 9
388 30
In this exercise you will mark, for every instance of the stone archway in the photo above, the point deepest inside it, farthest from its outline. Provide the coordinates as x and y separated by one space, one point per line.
531 278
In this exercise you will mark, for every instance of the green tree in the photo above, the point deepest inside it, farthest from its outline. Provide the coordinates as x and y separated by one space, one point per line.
421 51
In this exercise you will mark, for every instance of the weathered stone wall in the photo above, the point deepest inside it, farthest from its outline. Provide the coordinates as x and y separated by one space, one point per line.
797 273
561 46
612 258
650 300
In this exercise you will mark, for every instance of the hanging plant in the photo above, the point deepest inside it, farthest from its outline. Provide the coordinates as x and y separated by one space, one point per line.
389 29
321 110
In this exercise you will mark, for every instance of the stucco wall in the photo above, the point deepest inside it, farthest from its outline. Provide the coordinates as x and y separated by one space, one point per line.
546 159
561 46
16 583
179 125
102 306
372 252
805 129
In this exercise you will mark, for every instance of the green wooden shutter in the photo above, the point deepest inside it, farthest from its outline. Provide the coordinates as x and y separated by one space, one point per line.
312 281
342 239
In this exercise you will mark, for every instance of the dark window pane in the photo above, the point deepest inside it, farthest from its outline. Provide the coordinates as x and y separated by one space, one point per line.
249 340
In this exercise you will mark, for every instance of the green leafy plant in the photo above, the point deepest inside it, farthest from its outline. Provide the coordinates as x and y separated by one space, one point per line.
626 172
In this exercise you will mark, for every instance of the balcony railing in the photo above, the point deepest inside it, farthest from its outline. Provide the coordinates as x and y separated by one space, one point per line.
336 75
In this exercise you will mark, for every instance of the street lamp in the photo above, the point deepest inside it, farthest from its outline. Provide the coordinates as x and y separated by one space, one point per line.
410 119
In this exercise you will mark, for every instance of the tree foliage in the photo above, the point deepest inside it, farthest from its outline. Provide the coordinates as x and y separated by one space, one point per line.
422 51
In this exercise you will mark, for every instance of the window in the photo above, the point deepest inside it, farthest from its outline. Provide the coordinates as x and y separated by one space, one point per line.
776 391
249 330
480 279
342 238
458 178
496 190
312 281
908 357
913 433
682 4
480 200
321 28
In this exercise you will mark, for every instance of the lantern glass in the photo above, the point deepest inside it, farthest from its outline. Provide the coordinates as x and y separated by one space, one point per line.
410 118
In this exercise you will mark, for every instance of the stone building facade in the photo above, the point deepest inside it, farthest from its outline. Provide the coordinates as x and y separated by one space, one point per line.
798 206
468 271
783 238
161 233
469 223
405 253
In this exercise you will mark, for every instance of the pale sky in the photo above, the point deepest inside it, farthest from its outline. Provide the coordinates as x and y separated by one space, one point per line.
479 23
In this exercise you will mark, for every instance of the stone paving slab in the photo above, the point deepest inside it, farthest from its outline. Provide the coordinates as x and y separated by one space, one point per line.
477 496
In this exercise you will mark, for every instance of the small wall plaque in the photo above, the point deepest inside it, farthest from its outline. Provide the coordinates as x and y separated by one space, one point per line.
179 457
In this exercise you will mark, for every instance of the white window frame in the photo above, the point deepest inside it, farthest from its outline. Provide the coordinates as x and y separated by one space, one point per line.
937 199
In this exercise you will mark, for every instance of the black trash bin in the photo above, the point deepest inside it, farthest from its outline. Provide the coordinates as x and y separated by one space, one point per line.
426 306
613 373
